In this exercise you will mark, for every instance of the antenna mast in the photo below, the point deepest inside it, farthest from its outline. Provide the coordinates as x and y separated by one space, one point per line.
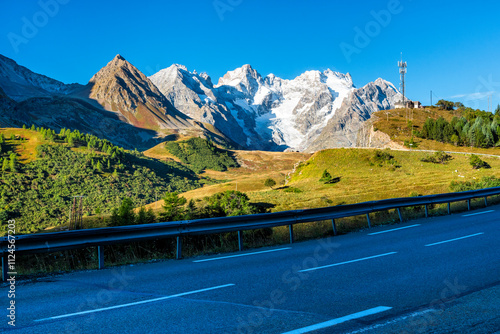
402 71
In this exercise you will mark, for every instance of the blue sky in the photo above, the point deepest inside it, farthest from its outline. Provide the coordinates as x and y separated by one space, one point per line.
452 47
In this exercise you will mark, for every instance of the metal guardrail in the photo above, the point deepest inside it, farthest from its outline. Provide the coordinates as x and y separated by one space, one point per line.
52 242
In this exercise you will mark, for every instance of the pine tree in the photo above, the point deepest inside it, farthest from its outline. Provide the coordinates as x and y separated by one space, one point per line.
124 214
173 207
142 216
191 210
326 177
13 163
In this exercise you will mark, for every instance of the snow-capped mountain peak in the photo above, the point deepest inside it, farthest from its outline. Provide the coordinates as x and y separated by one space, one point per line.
244 79
271 113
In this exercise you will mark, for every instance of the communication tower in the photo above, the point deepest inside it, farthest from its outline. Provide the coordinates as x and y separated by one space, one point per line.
402 71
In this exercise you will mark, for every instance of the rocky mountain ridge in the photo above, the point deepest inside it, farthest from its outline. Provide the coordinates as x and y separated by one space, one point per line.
119 103
313 111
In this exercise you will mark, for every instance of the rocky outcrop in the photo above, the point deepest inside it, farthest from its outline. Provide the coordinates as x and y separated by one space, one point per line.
122 88
194 95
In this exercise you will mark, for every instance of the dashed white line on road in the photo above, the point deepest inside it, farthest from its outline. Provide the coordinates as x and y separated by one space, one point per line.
337 321
346 262
442 242
246 254
135 303
394 229
479 213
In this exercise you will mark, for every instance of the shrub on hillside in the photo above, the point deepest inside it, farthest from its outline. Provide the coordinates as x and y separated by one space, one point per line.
381 157
326 177
477 163
437 158
411 143
269 183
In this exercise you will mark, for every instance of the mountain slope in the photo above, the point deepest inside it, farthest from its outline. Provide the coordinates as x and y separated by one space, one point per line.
121 87
119 103
40 189
19 83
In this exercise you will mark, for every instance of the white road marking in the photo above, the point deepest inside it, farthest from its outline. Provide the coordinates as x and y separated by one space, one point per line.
135 303
346 262
479 213
337 321
442 242
246 254
394 229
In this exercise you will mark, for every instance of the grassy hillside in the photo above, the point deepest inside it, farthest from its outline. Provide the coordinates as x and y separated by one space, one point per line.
394 123
52 168
362 178
49 169
254 168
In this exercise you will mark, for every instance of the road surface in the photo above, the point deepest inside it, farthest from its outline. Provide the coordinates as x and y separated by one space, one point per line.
432 275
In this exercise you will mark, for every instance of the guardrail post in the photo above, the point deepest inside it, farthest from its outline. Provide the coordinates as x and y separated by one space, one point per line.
449 208
179 248
468 204
369 222
400 216
4 267
290 229
100 256
485 201
240 240
426 211
334 227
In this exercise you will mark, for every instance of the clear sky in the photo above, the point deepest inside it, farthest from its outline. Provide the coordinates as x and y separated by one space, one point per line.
452 47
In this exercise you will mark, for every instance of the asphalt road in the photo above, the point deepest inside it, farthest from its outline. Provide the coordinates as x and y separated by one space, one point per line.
360 282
